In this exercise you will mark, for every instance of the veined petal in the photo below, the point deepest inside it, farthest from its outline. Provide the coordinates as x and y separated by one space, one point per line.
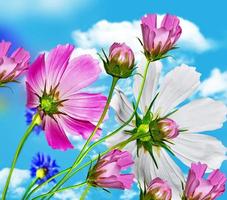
56 63
55 135
146 170
36 75
201 115
193 148
32 98
122 107
151 83
85 106
4 47
176 86
21 57
81 72
78 127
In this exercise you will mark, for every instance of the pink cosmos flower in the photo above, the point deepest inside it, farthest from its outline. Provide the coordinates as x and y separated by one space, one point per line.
106 172
158 189
11 67
158 41
199 188
53 87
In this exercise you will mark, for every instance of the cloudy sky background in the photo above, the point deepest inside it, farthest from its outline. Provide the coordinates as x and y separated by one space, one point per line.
39 25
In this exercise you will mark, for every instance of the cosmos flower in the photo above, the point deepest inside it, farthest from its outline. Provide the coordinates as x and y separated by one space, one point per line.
107 171
158 190
199 188
158 41
151 152
11 67
29 116
120 62
53 88
43 168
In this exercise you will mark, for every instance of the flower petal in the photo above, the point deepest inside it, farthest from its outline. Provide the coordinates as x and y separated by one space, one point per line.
32 98
177 85
55 135
151 83
4 47
146 170
193 148
56 63
85 106
36 75
81 72
21 57
201 115
122 107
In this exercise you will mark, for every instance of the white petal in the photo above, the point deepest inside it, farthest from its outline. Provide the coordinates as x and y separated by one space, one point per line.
146 170
201 115
177 85
151 83
122 106
192 147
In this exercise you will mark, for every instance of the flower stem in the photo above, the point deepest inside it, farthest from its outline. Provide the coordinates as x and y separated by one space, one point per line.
80 156
85 192
35 121
61 190
29 188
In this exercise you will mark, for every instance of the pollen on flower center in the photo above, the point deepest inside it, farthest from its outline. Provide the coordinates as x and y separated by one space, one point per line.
41 173
49 105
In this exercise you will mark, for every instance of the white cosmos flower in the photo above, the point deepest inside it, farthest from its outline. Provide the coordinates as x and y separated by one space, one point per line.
194 117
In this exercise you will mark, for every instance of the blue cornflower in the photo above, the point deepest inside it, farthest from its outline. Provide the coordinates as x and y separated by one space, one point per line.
30 112
43 168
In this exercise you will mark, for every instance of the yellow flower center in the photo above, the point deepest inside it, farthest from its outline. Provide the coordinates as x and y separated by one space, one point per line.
41 173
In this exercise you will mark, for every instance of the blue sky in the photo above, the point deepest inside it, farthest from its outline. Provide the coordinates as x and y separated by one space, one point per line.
39 25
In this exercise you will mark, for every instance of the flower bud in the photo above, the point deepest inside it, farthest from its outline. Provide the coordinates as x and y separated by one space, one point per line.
157 41
106 172
120 62
158 190
168 128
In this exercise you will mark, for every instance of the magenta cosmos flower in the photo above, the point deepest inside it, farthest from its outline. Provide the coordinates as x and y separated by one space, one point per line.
12 66
53 87
107 171
157 41
158 190
199 188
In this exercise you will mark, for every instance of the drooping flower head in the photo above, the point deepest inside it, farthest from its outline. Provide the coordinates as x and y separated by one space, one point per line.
11 67
107 171
199 188
43 168
157 41
53 88
120 62
158 190
30 113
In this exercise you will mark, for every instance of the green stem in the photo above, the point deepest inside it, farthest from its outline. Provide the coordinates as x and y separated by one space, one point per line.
61 190
35 121
62 181
29 188
85 192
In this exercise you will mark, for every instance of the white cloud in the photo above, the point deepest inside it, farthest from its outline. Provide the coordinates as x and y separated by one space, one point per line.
104 33
128 195
69 194
19 177
215 84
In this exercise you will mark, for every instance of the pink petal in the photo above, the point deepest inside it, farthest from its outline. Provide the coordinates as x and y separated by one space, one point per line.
36 75
4 47
170 22
32 98
150 20
161 37
56 63
78 127
81 72
85 106
21 56
55 135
